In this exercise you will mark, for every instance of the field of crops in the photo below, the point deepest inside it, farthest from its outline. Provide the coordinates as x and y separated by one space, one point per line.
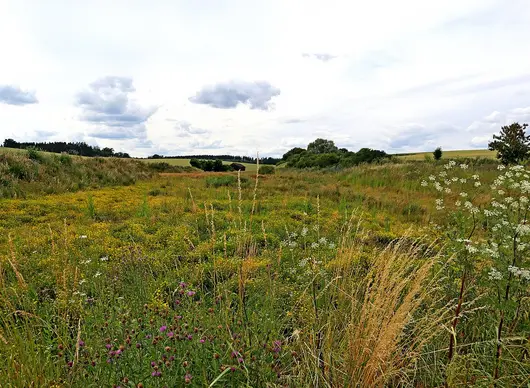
371 276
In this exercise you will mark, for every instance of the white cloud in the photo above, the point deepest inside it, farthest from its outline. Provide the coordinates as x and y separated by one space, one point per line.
363 73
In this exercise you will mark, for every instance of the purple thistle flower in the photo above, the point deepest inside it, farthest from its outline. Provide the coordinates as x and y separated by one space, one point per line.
240 360
148 336
179 316
183 285
202 340
177 302
187 378
118 352
108 346
191 293
190 337
70 364
153 364
170 334
81 343
163 328
109 360
156 373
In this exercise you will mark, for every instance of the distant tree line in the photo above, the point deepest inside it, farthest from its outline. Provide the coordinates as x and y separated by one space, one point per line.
227 158
323 153
77 148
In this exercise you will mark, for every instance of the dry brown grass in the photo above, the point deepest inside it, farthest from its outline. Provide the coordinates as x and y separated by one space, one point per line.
384 334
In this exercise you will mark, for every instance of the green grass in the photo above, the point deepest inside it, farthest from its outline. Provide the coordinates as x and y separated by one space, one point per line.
332 278
452 155
186 162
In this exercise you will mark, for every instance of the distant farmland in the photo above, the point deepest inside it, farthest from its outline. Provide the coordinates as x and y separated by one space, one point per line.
186 162
452 154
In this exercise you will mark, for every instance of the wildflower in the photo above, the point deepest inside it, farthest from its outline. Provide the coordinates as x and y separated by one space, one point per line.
82 281
191 293
501 192
314 245
304 231
170 334
432 178
494 274
104 258
464 166
83 236
458 203
187 378
97 274
81 343
501 167
463 195
163 328
153 364
424 183
156 373
202 340
475 176
183 285
477 184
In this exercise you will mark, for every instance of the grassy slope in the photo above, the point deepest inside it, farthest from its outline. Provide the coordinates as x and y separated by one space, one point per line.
452 154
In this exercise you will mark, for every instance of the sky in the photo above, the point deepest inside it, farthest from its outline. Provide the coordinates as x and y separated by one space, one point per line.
244 76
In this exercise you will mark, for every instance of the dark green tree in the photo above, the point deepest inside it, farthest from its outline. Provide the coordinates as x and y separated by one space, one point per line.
512 144
437 153
322 146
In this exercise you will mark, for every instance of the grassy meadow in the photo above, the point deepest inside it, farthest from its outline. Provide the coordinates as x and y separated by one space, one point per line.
186 163
451 155
352 278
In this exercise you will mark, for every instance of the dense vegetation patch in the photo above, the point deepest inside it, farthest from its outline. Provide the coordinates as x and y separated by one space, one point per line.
324 154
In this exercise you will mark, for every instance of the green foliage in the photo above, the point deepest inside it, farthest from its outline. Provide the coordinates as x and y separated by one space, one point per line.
512 144
292 152
33 154
210 165
266 170
324 154
322 146
437 153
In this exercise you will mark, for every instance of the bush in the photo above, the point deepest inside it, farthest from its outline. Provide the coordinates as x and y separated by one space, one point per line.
266 170
437 154
210 165
34 154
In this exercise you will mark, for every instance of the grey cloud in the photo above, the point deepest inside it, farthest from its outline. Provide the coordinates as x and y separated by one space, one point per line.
293 121
13 95
324 57
42 135
216 144
185 129
257 95
107 103
415 135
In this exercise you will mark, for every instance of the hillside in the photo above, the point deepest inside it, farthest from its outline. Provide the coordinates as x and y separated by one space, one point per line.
451 154
25 172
